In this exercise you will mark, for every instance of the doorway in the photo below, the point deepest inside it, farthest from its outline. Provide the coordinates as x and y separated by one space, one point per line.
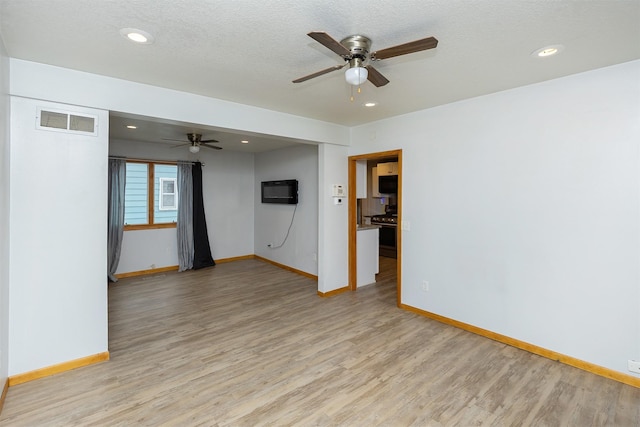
353 216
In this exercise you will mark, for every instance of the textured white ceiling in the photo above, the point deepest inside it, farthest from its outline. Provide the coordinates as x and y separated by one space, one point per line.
154 130
249 51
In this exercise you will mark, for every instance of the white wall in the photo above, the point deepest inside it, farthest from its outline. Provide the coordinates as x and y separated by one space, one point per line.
5 112
147 250
228 195
333 220
272 220
525 211
58 240
228 187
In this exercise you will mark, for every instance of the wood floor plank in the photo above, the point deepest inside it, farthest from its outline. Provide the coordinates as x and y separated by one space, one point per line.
248 344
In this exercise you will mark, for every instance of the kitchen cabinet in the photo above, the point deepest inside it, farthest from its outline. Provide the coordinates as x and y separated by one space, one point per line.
361 179
367 255
389 168
375 192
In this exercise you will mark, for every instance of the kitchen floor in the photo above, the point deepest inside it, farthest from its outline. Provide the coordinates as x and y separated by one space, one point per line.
387 274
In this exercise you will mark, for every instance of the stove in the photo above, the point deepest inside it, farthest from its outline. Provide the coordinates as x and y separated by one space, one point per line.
385 219
390 216
388 231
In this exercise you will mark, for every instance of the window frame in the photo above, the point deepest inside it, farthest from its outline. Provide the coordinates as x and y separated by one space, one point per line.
151 197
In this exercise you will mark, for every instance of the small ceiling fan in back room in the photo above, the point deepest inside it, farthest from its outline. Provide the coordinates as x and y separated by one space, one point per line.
355 51
195 142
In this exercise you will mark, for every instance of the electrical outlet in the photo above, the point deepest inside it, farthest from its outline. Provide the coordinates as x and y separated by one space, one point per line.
634 366
425 286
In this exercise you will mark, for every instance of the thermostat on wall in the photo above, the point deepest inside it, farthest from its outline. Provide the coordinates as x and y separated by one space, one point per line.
338 190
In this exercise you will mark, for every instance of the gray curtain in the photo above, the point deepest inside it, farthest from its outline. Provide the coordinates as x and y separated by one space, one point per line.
185 216
115 215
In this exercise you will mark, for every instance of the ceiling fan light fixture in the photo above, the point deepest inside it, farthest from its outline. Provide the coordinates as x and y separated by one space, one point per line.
356 76
194 149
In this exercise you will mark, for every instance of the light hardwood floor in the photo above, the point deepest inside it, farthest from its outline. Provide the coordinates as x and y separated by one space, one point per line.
247 344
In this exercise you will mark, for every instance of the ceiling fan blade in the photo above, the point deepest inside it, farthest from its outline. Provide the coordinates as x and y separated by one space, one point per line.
375 77
213 147
403 49
329 42
208 141
319 73
181 145
175 140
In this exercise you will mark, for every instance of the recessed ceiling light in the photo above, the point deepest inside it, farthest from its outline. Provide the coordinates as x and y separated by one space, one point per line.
370 104
132 127
138 36
244 141
548 51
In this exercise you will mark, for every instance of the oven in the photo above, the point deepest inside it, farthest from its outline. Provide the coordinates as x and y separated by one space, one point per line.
387 234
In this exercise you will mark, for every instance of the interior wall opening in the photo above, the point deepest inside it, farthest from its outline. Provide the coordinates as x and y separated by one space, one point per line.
373 207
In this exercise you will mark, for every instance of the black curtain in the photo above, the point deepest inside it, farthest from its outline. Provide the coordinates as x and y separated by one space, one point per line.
201 250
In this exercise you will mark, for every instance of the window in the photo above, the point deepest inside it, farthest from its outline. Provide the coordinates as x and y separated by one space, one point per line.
168 197
151 195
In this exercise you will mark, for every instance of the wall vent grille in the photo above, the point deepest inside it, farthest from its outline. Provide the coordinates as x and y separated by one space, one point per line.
64 121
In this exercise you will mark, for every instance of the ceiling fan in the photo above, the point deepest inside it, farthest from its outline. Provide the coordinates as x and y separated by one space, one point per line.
355 52
195 142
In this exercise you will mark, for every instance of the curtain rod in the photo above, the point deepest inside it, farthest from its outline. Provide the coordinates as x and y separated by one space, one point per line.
166 162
